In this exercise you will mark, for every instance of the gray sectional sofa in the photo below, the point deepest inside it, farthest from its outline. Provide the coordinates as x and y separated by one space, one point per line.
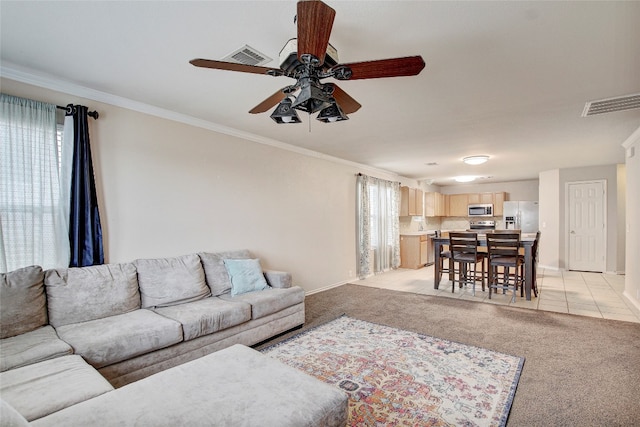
71 335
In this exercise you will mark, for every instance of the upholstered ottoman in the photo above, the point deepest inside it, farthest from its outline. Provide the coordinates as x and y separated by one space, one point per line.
237 386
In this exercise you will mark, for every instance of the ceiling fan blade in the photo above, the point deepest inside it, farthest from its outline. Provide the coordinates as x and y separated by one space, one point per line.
232 66
268 103
315 20
347 104
394 67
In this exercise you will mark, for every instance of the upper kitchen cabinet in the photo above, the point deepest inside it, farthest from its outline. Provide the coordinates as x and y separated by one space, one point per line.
434 204
458 204
411 203
498 201
481 198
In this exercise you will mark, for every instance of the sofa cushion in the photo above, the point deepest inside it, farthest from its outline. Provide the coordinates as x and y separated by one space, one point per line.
278 279
270 300
215 271
207 316
236 387
113 339
77 295
22 301
246 276
170 281
46 387
31 347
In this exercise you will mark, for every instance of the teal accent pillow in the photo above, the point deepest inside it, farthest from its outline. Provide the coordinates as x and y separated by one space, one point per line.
246 276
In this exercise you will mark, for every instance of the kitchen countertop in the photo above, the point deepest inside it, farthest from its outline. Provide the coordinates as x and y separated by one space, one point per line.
418 233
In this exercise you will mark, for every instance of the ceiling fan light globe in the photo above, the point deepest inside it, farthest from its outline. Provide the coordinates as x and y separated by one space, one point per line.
284 113
331 114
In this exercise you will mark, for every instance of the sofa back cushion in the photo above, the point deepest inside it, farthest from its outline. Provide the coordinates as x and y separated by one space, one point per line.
170 281
23 304
215 271
81 294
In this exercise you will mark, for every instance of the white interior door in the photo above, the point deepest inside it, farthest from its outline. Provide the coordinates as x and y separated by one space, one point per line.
586 226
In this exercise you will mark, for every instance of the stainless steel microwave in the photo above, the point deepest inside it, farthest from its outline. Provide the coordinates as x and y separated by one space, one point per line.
485 209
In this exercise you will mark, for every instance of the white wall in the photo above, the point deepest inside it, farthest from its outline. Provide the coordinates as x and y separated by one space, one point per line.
632 270
167 189
549 219
621 211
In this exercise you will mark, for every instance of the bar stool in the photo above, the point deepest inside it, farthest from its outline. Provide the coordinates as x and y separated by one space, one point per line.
534 255
503 250
445 255
464 253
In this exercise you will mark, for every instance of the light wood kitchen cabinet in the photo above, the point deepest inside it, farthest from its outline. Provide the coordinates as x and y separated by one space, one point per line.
434 204
498 202
419 202
458 204
480 198
414 251
411 203
486 198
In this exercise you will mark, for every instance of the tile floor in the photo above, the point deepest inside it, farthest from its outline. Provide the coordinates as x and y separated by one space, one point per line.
586 294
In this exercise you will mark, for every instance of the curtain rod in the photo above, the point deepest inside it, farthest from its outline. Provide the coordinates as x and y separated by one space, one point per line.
93 114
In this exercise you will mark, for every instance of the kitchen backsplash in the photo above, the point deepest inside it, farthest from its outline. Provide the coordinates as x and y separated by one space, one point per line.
418 223
461 223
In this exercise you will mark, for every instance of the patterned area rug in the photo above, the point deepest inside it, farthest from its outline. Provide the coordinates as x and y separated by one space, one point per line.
401 378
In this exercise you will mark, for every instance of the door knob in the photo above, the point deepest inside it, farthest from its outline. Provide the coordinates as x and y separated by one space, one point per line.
573 232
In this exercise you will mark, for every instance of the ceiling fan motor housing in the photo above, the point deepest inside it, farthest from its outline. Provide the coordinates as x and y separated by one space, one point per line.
289 57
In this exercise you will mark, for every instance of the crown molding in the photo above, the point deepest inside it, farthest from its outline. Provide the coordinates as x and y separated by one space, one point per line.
22 75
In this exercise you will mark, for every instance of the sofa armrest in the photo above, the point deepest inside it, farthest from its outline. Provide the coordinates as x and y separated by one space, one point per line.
278 279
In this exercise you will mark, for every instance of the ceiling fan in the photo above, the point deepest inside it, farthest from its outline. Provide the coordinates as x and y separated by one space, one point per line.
309 59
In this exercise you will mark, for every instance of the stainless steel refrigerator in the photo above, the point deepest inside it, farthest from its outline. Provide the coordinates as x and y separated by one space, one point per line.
521 215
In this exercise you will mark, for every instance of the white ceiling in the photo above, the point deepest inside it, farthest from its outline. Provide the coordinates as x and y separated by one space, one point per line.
506 79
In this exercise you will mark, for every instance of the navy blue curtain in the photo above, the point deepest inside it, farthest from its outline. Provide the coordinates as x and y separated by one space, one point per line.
85 231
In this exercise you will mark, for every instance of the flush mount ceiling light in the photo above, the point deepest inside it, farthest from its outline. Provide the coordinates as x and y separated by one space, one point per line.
475 160
465 178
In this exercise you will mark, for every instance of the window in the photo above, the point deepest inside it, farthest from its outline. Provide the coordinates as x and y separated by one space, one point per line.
378 225
33 225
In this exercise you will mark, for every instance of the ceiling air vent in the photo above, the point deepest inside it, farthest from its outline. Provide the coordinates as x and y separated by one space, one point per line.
611 105
248 56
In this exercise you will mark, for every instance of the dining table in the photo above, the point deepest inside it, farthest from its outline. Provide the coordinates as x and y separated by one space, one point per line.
526 243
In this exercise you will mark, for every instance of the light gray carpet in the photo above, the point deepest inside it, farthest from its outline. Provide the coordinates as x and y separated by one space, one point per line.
579 371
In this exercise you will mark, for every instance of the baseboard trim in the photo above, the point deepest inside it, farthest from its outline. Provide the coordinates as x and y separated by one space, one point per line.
326 288
632 300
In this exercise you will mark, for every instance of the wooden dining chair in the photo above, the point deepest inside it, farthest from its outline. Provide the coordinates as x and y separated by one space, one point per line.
465 257
503 252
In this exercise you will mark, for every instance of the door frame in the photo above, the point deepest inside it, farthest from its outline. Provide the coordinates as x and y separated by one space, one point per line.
567 228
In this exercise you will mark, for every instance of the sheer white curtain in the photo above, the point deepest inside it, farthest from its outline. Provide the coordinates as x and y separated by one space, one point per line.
378 225
33 226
